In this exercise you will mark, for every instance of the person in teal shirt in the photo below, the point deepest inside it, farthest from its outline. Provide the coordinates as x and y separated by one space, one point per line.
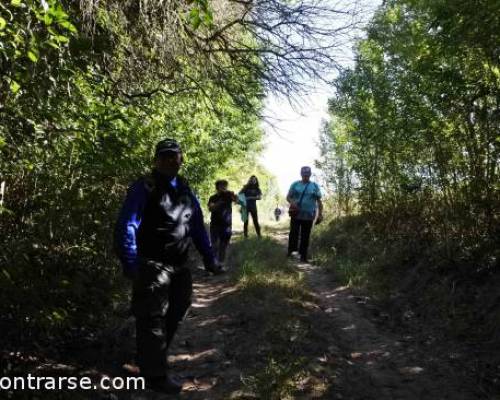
304 197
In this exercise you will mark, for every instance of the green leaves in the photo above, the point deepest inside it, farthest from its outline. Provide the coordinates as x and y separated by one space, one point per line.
200 14
14 86
406 107
74 134
47 19
33 32
68 26
33 55
194 18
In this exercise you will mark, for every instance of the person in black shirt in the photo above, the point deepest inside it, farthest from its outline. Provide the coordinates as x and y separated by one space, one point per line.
252 193
220 206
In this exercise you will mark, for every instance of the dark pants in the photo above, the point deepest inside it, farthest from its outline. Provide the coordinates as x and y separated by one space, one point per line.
220 237
255 218
160 300
299 228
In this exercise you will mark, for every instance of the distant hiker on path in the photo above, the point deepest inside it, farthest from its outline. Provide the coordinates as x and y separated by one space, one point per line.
159 218
277 213
252 193
304 197
220 206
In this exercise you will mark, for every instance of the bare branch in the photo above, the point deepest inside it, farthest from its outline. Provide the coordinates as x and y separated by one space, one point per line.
274 45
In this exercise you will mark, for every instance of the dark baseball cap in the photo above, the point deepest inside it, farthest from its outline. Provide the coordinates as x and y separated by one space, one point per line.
167 146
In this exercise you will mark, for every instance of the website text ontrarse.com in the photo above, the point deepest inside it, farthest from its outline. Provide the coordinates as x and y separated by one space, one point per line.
31 382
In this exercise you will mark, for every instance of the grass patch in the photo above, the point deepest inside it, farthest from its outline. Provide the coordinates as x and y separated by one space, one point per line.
270 299
263 270
351 250
278 380
413 273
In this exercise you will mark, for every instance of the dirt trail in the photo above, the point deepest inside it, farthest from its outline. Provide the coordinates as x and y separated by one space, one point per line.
356 358
351 353
378 364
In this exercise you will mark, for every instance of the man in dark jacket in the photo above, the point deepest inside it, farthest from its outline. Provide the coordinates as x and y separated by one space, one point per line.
158 220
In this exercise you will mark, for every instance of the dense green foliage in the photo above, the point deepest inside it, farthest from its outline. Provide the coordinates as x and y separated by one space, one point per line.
87 88
414 135
412 152
76 126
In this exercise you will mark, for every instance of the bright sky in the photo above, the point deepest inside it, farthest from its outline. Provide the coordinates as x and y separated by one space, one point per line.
292 139
293 134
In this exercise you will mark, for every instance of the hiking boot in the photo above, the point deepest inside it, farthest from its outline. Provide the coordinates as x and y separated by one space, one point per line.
215 269
164 384
292 254
304 259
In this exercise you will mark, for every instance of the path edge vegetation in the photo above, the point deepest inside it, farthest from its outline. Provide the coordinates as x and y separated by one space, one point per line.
86 90
411 152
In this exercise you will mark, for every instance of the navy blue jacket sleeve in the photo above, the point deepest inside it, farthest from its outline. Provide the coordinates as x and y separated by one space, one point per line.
127 225
199 235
